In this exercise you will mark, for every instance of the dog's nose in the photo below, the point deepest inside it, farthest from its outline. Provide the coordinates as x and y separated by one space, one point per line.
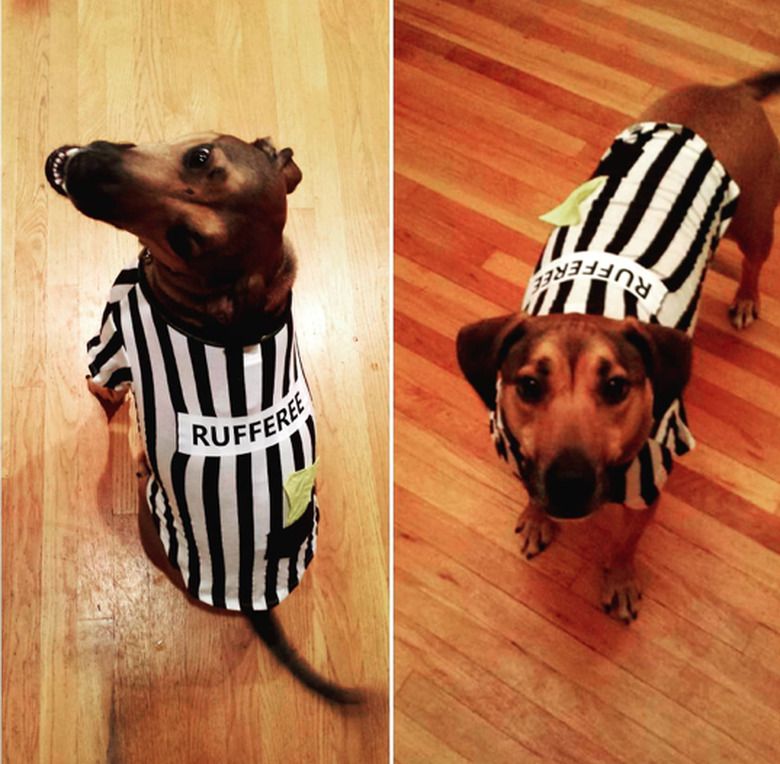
94 176
571 484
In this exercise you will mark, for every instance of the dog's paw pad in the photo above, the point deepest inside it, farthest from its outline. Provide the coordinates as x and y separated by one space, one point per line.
536 533
620 595
743 313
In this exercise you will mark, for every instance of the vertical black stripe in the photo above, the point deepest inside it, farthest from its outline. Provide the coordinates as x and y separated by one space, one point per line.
597 210
287 353
312 437
150 419
647 189
685 268
210 477
268 351
108 351
234 357
597 295
179 461
309 553
559 303
557 249
685 321
147 383
246 531
538 305
297 447
682 204
214 528
273 463
729 209
178 476
202 380
299 461
647 490
276 502
616 165
630 303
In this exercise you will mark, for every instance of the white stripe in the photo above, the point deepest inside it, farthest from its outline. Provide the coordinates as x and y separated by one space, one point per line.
624 195
165 423
633 497
193 476
228 514
664 197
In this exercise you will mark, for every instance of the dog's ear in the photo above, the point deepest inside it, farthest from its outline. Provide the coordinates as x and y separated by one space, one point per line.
292 173
481 349
667 355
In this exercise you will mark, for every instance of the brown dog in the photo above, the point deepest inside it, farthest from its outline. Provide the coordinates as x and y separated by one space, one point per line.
584 385
201 330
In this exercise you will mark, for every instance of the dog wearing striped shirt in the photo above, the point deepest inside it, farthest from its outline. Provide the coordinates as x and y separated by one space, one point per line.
201 330
584 385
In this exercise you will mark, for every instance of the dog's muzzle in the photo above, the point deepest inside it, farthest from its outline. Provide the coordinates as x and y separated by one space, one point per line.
93 177
56 167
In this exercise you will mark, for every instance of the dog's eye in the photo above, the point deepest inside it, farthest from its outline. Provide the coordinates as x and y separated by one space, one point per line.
198 156
615 390
530 389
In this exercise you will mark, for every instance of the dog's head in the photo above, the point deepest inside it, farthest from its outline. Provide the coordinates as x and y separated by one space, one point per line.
578 393
199 203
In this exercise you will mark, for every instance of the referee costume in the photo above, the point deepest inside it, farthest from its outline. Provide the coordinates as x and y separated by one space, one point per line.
229 435
641 246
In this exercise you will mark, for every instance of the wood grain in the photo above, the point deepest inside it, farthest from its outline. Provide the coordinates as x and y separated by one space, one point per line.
501 109
103 660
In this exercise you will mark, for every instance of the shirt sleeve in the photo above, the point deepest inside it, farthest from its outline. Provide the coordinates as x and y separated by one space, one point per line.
109 365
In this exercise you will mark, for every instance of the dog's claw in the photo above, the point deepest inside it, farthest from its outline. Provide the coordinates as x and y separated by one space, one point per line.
620 594
743 312
536 532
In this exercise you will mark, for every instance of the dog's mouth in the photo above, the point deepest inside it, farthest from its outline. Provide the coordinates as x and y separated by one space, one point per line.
56 168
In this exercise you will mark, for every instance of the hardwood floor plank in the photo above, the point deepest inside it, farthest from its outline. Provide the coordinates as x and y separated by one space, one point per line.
512 712
422 747
463 730
514 658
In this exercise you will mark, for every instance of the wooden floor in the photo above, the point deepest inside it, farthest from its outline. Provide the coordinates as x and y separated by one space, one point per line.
103 661
501 109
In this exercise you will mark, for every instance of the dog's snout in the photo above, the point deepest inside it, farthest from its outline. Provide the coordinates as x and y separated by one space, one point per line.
95 175
570 482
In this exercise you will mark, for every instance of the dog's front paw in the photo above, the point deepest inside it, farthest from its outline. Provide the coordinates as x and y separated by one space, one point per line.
110 400
621 593
535 531
743 312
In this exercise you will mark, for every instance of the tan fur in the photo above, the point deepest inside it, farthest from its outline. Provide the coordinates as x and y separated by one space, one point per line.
572 354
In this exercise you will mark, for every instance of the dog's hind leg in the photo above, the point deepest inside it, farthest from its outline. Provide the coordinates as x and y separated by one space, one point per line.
753 231
754 162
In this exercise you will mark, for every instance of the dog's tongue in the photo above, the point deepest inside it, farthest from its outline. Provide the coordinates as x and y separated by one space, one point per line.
55 168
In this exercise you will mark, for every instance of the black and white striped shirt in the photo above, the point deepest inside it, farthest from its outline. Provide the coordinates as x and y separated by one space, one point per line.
224 428
641 248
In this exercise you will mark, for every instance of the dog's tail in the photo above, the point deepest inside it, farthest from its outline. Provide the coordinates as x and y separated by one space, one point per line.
762 85
267 626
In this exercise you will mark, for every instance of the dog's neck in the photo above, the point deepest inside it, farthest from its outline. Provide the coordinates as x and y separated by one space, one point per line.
249 305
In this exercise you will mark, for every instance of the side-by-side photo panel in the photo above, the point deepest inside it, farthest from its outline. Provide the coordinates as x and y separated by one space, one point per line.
196 375
587 406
